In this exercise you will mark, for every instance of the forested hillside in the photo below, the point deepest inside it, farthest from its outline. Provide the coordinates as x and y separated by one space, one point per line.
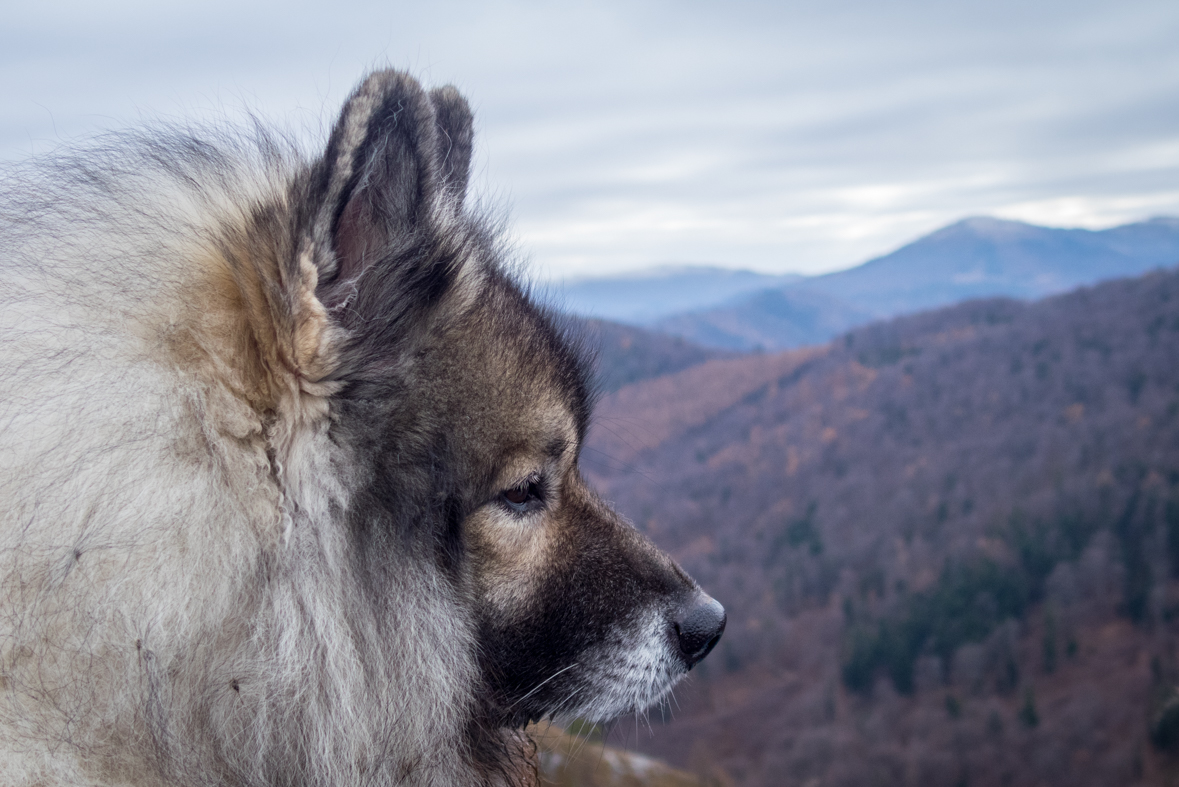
947 544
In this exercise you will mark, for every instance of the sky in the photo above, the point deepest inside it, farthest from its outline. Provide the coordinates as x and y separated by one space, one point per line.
775 136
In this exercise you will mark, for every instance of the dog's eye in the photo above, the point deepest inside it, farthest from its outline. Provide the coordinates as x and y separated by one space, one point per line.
517 497
524 497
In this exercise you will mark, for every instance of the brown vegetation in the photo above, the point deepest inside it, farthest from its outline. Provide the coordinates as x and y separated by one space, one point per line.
948 545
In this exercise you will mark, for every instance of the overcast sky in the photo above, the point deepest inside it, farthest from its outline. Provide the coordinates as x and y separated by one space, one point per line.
778 136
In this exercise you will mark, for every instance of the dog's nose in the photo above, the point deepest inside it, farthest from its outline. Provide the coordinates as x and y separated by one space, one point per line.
698 628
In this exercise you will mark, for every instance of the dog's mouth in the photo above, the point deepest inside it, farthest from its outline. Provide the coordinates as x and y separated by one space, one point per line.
638 669
635 668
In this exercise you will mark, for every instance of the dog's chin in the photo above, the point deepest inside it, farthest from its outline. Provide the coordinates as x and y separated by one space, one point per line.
619 680
618 701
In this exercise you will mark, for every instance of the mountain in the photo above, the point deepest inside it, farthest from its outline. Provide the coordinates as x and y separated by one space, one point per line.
644 297
948 545
974 258
983 257
769 319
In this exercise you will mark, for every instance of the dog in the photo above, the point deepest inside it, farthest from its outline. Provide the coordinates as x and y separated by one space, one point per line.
289 487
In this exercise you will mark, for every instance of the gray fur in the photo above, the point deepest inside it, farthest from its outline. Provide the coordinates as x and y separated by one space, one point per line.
260 418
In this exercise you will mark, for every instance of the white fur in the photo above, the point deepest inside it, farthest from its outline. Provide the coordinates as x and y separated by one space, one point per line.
170 608
628 673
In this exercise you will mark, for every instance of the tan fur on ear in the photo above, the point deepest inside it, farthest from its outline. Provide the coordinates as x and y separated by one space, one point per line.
311 342
250 320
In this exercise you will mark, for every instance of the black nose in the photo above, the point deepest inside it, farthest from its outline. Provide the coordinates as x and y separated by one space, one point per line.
698 628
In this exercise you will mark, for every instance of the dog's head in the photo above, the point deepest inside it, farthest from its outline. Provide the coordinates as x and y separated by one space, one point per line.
466 406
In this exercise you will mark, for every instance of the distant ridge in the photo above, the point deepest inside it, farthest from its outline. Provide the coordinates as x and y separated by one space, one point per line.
982 257
976 257
770 319
643 297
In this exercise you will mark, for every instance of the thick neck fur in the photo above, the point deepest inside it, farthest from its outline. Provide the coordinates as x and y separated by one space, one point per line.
207 591
344 671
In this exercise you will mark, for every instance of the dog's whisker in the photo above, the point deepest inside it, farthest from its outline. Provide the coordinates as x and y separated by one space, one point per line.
541 685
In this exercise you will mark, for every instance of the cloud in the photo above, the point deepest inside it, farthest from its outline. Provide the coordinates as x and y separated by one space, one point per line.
780 136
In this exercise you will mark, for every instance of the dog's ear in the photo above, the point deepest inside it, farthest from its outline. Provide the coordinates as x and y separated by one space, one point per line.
455 137
379 179
393 174
371 217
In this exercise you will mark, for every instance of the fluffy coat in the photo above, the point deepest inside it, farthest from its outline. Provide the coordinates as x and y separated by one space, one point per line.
288 484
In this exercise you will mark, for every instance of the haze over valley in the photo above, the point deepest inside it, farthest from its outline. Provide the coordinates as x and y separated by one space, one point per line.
972 258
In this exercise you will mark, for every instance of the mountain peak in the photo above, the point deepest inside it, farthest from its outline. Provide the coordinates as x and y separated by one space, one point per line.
987 226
